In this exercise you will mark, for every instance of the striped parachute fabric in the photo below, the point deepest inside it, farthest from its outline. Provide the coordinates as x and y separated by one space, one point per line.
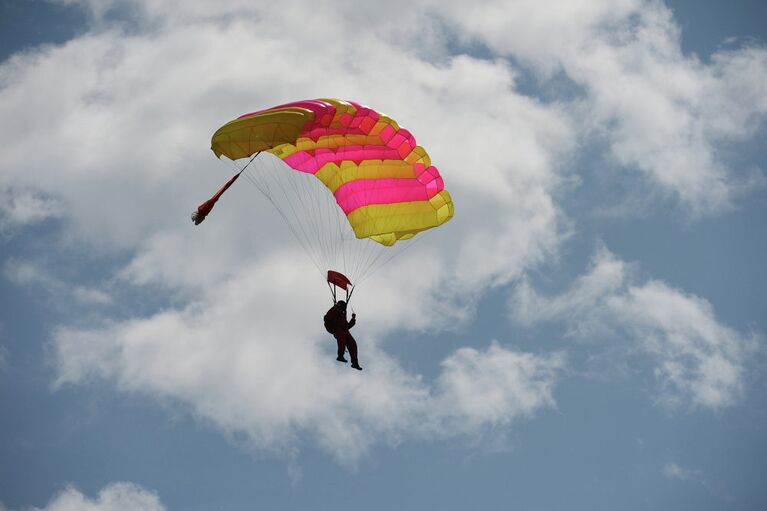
350 183
381 179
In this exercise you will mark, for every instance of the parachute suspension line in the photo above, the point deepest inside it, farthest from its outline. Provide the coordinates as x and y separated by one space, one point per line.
261 181
358 257
267 193
298 185
313 217
371 254
239 169
326 220
300 193
295 233
342 240
366 254
365 249
318 209
280 177
374 267
330 220
302 189
250 161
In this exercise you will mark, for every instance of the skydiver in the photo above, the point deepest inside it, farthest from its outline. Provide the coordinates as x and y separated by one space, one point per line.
336 324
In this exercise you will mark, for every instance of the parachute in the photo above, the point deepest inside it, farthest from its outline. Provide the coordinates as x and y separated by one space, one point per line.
350 183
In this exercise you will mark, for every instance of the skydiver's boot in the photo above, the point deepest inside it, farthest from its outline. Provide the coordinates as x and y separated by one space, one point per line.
341 349
356 366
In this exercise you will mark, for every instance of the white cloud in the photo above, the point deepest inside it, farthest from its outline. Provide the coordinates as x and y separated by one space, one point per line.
589 292
663 113
495 386
267 370
698 360
32 275
113 497
138 161
23 207
673 471
130 146
3 357
121 145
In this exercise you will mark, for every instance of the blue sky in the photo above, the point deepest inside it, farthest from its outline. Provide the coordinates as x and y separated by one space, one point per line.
587 333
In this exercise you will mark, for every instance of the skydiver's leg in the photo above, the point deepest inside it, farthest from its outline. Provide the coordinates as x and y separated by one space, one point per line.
351 344
341 348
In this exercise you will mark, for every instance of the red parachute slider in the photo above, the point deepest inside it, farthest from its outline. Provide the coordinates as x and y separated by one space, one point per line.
338 279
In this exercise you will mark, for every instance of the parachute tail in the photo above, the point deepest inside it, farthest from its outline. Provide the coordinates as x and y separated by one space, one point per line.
206 207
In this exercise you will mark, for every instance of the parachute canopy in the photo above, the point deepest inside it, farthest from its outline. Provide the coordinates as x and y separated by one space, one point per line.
380 178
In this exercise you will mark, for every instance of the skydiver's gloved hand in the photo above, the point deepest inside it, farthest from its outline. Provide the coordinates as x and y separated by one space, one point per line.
353 315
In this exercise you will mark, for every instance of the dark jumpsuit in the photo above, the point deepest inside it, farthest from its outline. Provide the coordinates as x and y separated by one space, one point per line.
344 338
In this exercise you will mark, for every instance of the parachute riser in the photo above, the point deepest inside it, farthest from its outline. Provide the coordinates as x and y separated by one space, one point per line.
333 292
249 162
336 280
